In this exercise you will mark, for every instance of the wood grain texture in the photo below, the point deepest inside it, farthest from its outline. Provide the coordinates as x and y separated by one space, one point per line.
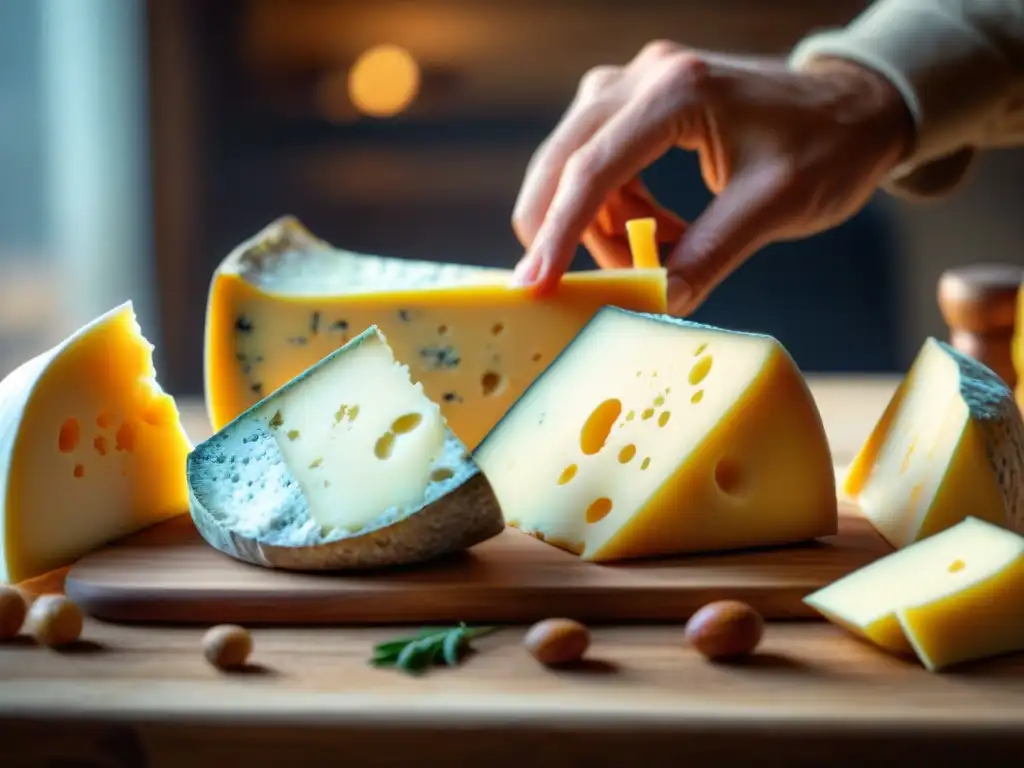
169 574
144 696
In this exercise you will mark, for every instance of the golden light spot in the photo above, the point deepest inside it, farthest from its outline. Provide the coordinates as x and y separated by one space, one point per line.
384 81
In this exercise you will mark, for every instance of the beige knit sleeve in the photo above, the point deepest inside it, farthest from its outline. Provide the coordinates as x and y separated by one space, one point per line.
959 65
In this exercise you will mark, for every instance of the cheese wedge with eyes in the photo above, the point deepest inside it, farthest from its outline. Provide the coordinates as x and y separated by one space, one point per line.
91 448
651 435
953 597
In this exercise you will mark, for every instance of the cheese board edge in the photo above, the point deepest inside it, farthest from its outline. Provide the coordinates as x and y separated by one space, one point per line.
650 602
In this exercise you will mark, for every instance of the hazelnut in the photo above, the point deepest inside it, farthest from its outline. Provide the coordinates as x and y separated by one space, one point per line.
227 646
13 609
54 620
557 641
725 629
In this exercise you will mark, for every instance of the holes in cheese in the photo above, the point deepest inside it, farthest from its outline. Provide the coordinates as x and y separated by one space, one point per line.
401 488
67 490
729 476
67 440
749 466
700 370
598 510
949 444
926 600
473 343
599 425
492 384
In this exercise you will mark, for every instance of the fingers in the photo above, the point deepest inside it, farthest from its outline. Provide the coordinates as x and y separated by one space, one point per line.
632 139
750 212
593 105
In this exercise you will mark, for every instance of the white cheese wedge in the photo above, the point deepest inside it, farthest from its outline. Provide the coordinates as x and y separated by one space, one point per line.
953 597
347 466
950 444
91 448
651 435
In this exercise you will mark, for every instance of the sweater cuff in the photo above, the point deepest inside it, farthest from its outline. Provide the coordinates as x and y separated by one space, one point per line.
945 70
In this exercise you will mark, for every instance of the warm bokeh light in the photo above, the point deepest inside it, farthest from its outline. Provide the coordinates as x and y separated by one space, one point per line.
384 81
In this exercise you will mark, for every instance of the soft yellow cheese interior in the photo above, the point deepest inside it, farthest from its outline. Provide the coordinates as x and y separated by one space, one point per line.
358 436
955 596
97 450
654 436
925 467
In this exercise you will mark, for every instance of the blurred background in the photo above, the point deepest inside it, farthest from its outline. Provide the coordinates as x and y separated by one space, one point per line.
140 141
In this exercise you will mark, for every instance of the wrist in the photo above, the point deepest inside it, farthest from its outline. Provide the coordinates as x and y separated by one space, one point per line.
866 99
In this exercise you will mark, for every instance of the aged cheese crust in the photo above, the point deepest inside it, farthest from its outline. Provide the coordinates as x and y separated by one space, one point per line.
994 409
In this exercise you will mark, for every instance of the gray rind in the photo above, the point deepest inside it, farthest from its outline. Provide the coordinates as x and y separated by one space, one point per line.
991 404
465 517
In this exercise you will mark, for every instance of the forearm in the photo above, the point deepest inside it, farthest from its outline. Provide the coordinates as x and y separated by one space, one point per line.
959 66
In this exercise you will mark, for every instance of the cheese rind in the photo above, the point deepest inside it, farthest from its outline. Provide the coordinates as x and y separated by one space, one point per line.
91 448
284 299
651 435
347 466
950 598
949 444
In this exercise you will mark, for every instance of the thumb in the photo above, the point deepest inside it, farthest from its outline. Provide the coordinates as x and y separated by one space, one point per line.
749 213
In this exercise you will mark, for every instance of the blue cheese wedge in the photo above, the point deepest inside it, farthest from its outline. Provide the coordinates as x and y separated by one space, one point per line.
347 466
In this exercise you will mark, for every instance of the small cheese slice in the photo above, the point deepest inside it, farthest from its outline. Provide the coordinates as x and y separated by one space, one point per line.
284 299
953 597
651 435
91 449
643 242
949 444
347 466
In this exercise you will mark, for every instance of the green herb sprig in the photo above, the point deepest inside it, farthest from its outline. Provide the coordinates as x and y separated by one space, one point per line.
439 645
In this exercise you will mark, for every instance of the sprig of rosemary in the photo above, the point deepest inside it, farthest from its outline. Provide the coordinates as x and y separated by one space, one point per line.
431 646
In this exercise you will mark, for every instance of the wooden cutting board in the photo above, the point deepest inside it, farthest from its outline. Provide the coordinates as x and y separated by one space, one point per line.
169 574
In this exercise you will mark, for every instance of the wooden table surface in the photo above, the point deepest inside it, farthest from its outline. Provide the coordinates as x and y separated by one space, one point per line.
144 696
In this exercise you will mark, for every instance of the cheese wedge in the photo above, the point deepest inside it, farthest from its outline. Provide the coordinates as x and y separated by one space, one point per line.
949 444
953 597
91 449
655 436
347 466
284 299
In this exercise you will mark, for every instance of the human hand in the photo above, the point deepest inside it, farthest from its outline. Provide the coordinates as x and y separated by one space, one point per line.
787 154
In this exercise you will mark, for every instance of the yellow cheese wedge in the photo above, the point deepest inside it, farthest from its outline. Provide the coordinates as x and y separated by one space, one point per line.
949 444
283 300
91 449
652 436
953 597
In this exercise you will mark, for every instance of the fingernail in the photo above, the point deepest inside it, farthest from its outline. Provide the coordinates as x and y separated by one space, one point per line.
525 272
680 294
